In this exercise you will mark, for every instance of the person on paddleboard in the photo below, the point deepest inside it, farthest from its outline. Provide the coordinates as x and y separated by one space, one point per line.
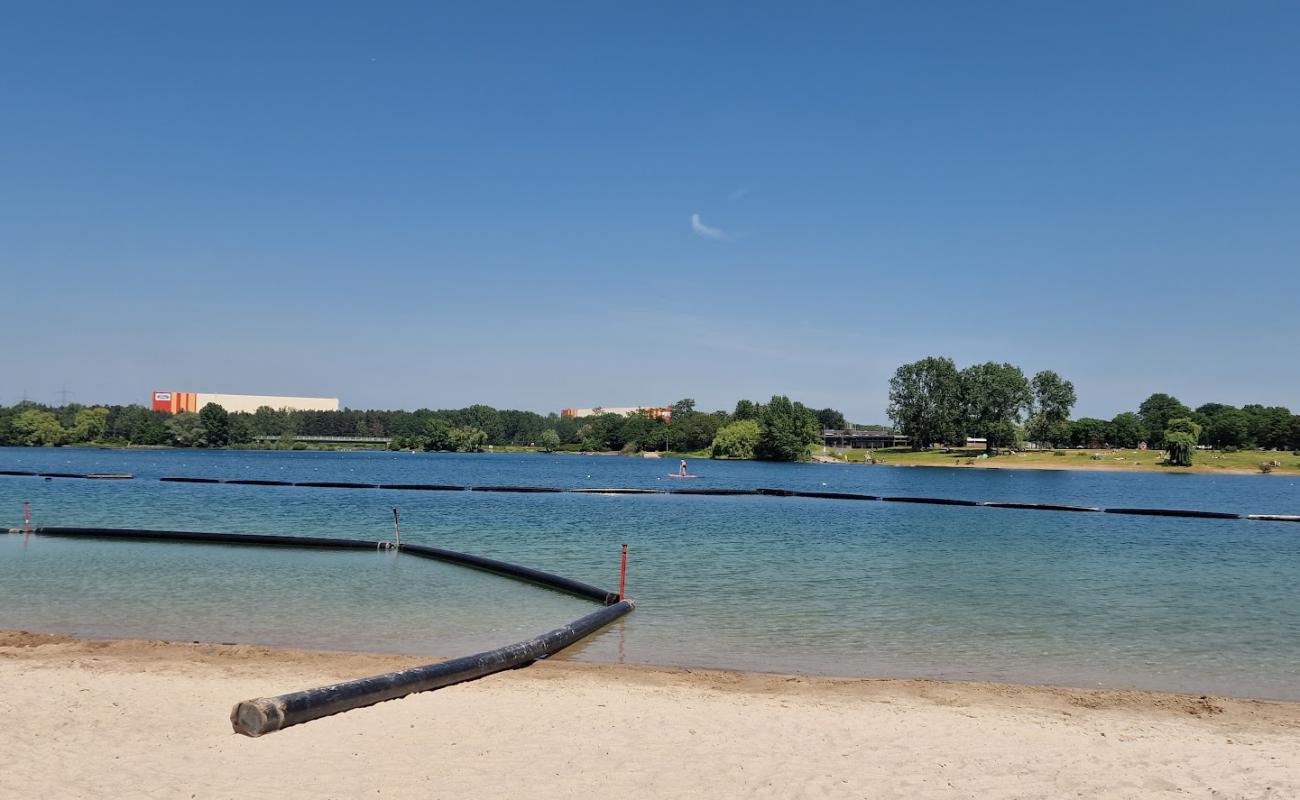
681 468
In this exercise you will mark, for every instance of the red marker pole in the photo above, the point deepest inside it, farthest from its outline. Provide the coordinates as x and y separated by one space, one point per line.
27 517
622 574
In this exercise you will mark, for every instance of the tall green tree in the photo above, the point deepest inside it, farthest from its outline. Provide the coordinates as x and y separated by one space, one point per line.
830 419
994 395
216 424
1052 399
1156 411
1127 430
746 409
925 402
786 431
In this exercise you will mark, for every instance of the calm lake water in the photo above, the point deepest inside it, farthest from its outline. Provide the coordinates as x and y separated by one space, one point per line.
764 583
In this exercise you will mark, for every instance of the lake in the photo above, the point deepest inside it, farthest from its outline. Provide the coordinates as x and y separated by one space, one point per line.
761 583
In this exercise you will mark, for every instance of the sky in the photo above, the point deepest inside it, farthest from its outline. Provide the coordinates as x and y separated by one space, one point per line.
539 206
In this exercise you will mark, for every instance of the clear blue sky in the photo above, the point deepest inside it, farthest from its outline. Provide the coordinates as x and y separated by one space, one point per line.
539 206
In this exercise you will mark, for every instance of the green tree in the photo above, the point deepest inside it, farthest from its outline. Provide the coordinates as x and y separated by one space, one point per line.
830 419
1127 430
737 440
746 409
994 396
468 440
1156 411
1052 399
925 401
1180 447
1226 426
1180 441
1090 432
216 424
785 431
241 428
483 418
549 440
1270 427
90 424
437 434
186 430
602 432
37 428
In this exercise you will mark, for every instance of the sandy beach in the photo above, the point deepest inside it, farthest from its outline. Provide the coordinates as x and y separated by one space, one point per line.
149 719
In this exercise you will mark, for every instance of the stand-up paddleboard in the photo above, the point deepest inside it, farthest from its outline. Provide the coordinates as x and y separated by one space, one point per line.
675 475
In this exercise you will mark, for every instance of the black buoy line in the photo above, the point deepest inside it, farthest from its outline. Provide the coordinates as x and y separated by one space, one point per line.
267 714
713 492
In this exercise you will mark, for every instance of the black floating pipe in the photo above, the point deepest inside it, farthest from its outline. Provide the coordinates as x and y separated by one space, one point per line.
1173 512
214 538
257 482
422 487
177 479
61 475
836 495
525 489
585 490
17 472
337 485
1041 507
536 576
267 714
775 492
716 492
939 501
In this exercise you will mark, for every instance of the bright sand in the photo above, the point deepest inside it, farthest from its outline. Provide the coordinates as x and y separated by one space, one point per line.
149 719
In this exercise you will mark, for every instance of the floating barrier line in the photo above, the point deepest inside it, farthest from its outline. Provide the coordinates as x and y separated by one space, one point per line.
706 491
1041 507
267 714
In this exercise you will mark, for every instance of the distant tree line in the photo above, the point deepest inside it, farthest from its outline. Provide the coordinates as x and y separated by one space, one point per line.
933 402
776 430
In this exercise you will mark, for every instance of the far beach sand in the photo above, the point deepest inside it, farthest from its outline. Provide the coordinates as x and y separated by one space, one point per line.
149 719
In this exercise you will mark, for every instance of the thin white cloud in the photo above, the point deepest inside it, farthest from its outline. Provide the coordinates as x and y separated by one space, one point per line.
704 231
739 193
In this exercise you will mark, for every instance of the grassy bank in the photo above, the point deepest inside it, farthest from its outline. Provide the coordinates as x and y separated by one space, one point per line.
1205 461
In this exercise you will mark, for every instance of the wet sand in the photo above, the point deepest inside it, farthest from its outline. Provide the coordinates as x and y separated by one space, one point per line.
150 719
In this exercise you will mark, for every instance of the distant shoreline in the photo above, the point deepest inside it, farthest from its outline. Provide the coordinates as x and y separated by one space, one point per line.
1240 463
1205 462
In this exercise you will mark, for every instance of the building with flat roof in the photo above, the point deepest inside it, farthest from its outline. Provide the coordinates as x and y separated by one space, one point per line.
862 440
176 402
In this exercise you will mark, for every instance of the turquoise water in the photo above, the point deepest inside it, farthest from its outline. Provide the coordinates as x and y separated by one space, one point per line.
778 584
